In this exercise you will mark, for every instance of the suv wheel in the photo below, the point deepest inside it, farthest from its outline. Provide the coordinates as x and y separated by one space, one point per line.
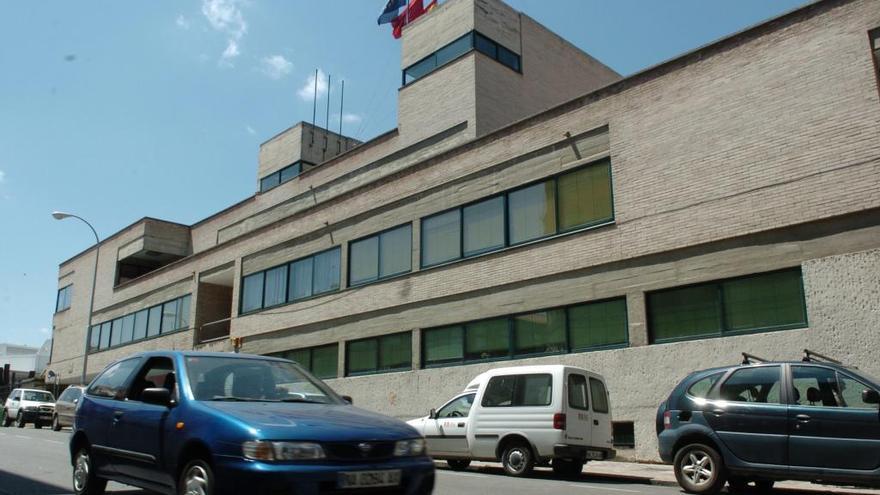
5 420
197 478
568 467
19 420
699 469
56 425
517 459
458 464
84 480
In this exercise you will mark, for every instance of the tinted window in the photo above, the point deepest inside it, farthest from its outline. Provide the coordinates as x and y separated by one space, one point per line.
154 321
441 238
105 334
275 291
140 324
453 50
169 316
508 58
183 312
115 332
326 275
541 332
815 386
127 328
269 181
483 226
458 408
111 383
759 385
701 388
385 353
585 196
395 251
443 345
364 261
252 292
301 279
851 392
95 338
532 212
487 339
485 45
63 300
598 324
577 392
599 395
519 390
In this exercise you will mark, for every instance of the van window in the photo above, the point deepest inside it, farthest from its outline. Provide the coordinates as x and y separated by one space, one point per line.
600 397
459 408
519 390
577 392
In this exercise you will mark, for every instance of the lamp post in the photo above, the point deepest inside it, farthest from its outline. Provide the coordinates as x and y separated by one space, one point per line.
60 215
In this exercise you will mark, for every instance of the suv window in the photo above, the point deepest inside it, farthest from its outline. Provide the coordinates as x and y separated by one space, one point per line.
700 389
37 396
600 396
824 387
851 392
111 383
459 408
757 385
519 390
577 392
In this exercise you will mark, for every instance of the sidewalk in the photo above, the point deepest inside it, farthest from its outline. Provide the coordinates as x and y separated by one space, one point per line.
660 474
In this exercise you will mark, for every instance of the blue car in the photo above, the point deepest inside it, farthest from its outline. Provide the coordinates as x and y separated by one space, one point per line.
214 423
760 421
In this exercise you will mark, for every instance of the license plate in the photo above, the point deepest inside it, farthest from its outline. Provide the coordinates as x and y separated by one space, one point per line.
596 455
364 479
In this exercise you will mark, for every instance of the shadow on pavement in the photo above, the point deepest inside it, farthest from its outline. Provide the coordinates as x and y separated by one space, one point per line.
548 474
15 484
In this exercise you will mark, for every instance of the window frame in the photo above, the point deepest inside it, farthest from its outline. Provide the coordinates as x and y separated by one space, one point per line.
506 217
519 379
724 331
785 384
68 291
108 325
378 370
279 174
473 34
378 236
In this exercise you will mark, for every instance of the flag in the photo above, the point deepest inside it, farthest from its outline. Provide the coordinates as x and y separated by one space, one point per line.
413 11
390 11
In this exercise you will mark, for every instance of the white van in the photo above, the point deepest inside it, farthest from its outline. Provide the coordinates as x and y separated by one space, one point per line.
524 415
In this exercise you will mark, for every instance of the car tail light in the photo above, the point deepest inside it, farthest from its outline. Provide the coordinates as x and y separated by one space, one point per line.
559 421
667 420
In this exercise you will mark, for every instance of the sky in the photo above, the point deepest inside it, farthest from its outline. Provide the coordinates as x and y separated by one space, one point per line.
119 110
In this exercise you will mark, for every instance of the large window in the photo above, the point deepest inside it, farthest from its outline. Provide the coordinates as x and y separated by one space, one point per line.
576 328
167 317
62 301
768 301
380 256
279 177
320 361
571 201
299 279
450 52
386 353
519 390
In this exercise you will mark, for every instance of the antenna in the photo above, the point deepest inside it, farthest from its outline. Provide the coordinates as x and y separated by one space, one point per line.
341 102
328 103
314 106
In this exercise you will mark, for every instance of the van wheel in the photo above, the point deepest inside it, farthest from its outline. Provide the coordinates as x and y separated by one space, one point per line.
5 420
56 425
197 478
19 420
699 469
568 467
85 482
517 459
458 464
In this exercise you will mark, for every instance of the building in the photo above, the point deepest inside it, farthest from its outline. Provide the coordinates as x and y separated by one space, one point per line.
24 360
534 207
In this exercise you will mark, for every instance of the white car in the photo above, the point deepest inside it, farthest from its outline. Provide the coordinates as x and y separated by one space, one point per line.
28 406
523 416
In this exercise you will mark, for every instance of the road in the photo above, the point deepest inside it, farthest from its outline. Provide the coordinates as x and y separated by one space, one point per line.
36 462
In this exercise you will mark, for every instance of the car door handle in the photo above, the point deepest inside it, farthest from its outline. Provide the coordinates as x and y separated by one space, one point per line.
718 412
802 418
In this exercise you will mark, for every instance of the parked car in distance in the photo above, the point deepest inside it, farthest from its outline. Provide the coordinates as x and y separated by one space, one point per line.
760 421
215 423
524 415
26 405
65 406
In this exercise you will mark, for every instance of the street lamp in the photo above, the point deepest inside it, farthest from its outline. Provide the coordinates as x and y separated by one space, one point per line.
60 215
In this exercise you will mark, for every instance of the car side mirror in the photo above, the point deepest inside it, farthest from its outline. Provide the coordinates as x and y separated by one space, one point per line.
75 401
432 414
347 398
156 395
870 396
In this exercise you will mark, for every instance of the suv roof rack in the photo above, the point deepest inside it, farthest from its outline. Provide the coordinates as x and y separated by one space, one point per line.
751 359
810 356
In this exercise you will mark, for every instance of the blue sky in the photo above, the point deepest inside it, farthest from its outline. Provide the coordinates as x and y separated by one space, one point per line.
120 110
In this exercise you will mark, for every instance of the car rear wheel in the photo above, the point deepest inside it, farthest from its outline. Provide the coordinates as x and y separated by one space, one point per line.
699 469
458 464
5 420
19 420
85 482
197 478
567 467
517 459
56 425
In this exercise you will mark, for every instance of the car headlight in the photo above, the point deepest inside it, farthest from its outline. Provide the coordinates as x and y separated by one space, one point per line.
413 447
262 450
30 408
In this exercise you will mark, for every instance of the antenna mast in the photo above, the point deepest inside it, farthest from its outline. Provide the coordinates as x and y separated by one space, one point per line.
341 102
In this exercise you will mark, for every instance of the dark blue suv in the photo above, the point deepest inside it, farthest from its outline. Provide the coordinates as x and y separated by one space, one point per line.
758 422
210 423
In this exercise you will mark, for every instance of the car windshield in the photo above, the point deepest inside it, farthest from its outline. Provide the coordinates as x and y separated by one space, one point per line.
37 396
215 378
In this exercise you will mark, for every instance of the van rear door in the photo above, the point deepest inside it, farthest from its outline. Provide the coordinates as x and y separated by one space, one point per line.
578 417
602 434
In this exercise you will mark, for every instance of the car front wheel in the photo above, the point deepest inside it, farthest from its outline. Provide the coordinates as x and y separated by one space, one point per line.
85 482
699 469
197 478
56 425
19 420
517 459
